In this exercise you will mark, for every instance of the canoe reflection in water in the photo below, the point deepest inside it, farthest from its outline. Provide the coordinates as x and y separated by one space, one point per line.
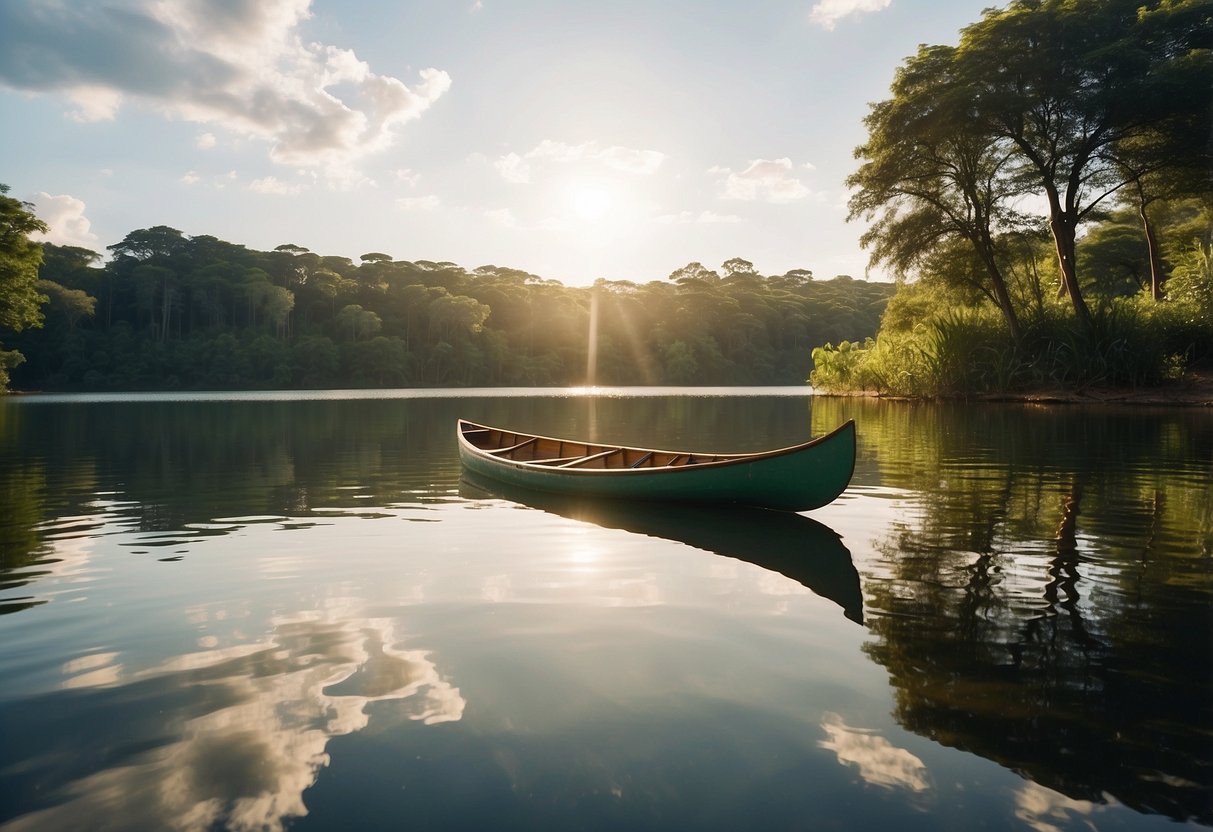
795 546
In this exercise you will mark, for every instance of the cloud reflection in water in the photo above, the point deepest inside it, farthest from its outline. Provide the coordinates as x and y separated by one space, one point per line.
1045 810
247 725
879 762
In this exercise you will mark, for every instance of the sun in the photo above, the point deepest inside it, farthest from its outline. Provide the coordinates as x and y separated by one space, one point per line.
591 204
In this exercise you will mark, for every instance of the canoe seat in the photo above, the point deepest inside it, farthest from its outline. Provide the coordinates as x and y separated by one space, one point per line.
581 460
506 450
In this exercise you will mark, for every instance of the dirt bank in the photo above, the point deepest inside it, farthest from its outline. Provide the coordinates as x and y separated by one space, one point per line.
1195 390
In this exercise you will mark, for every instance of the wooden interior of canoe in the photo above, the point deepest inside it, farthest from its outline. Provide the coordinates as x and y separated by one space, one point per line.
564 453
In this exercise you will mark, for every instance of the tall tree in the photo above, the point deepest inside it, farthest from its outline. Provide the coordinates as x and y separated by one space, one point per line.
72 304
932 177
694 271
738 267
147 243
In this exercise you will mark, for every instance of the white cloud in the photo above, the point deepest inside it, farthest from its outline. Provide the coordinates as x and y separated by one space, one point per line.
626 159
240 65
419 203
703 217
190 177
407 176
272 185
826 13
503 217
769 180
518 168
513 168
713 217
65 220
205 141
93 103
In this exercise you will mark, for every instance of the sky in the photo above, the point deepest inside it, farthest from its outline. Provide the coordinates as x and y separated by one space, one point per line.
574 140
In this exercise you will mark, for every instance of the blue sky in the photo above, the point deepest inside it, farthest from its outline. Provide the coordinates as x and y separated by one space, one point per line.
574 140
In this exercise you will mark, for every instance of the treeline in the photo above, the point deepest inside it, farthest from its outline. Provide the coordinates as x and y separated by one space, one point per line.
1047 185
169 311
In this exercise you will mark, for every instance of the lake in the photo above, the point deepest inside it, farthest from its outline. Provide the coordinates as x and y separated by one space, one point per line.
278 610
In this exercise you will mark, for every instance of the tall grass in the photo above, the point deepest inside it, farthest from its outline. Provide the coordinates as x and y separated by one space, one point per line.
1132 343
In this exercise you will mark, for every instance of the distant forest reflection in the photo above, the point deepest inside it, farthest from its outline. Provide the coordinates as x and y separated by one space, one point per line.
1045 599
1036 581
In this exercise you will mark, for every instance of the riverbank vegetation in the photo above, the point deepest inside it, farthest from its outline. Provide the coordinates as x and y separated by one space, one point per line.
169 311
1044 190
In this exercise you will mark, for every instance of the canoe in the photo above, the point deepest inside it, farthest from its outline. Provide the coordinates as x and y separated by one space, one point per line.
795 546
796 478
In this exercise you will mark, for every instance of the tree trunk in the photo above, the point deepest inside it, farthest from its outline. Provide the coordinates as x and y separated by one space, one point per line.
1002 295
166 300
1063 229
983 243
1156 275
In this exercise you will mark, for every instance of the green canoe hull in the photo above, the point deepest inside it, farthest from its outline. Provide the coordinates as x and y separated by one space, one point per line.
799 478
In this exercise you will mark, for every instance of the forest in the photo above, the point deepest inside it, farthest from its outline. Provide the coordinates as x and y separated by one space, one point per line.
168 311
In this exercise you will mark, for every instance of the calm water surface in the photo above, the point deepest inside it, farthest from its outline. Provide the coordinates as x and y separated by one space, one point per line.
287 611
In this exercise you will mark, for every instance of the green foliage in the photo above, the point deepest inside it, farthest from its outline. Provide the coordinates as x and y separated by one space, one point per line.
1191 283
172 311
838 368
315 360
1115 253
19 260
71 304
8 360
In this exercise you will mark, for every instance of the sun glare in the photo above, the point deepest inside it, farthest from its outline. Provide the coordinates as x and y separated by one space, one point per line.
591 204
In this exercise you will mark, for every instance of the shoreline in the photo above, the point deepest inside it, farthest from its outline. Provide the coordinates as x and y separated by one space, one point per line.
1195 390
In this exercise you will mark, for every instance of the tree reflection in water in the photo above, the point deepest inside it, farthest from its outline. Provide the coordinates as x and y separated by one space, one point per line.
1047 603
